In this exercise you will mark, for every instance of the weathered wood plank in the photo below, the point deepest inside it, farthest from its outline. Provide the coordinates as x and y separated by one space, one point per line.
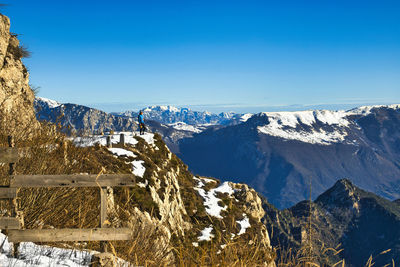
66 235
73 180
9 223
8 154
103 206
6 192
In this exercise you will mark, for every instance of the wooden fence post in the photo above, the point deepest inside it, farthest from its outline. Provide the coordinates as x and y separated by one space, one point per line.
13 201
122 139
109 144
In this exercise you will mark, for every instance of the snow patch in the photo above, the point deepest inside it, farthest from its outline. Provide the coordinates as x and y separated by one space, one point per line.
137 168
210 198
244 224
206 234
122 152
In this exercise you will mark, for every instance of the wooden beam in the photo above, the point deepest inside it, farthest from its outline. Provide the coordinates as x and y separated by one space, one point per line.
6 192
73 180
9 223
67 235
8 154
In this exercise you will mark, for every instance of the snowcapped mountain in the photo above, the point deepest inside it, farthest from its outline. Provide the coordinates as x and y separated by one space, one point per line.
279 152
171 115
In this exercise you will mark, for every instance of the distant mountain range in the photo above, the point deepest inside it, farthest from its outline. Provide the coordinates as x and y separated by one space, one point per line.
172 115
277 153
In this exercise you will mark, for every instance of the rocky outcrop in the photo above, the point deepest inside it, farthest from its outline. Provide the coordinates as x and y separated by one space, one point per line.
17 115
252 203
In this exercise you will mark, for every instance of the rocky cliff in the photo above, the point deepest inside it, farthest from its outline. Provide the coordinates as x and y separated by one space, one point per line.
17 115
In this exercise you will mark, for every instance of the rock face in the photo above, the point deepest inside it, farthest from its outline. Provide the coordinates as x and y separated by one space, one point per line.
74 118
362 222
17 115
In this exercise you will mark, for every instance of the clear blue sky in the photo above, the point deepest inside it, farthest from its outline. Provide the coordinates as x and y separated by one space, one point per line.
216 55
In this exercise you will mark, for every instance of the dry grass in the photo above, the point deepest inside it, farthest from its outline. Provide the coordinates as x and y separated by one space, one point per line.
234 253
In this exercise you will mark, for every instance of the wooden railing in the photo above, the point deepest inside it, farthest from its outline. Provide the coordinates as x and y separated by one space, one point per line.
13 224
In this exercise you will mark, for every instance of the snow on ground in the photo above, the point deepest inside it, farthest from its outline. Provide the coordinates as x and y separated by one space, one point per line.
206 234
244 224
137 165
122 152
137 168
31 254
285 125
49 102
210 197
115 138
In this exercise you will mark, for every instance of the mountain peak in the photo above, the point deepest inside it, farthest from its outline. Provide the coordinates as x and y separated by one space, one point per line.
50 103
342 194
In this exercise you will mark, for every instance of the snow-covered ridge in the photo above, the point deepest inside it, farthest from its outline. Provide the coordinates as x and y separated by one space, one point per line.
308 117
301 126
50 103
314 126
365 110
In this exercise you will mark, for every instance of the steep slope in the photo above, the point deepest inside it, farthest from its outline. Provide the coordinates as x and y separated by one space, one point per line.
363 223
277 153
16 96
